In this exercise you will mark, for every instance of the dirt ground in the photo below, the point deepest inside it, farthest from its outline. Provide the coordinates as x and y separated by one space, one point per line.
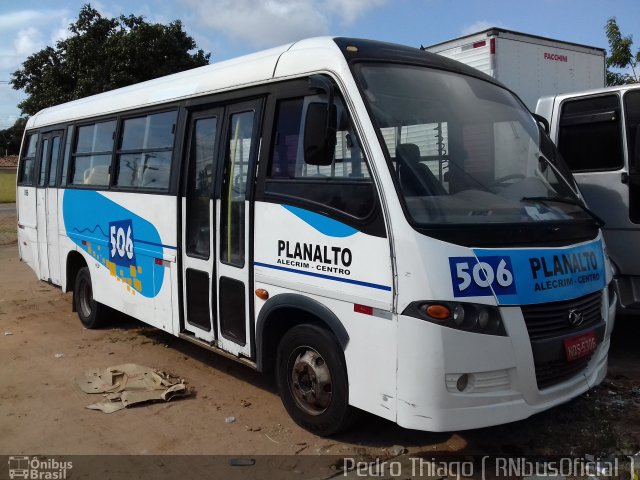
43 347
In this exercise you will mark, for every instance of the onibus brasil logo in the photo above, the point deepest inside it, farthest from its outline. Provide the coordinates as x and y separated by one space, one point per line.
38 468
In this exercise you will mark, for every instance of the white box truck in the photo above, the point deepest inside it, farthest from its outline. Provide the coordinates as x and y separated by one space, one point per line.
530 65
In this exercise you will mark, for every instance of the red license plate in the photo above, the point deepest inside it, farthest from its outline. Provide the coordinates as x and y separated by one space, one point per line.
580 346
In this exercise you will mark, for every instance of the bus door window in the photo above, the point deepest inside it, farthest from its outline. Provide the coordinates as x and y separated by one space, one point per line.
234 188
199 265
55 156
44 160
240 149
200 187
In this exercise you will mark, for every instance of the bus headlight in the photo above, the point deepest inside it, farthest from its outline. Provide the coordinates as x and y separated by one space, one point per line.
484 321
458 315
470 317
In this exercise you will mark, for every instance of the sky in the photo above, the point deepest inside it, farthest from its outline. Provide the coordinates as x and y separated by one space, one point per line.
229 28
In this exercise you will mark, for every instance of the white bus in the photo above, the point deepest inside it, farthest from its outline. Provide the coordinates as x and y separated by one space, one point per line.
386 229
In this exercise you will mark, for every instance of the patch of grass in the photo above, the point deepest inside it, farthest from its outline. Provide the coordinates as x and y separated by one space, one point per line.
7 187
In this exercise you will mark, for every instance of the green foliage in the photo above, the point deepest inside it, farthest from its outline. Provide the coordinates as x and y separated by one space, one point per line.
103 54
11 137
620 55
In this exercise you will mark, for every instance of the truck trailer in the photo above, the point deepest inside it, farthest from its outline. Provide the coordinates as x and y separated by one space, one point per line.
530 65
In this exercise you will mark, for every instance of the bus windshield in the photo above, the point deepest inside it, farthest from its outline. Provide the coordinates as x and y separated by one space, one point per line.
464 150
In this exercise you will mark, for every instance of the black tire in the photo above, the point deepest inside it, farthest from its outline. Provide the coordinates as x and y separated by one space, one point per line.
307 355
91 313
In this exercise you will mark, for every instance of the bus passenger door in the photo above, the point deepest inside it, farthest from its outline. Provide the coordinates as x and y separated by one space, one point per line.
53 253
198 226
47 208
240 148
41 210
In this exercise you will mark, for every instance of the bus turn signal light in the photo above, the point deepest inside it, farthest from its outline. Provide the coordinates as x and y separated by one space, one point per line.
262 293
437 311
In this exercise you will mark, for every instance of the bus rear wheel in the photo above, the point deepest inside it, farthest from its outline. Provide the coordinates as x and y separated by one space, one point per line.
91 313
312 380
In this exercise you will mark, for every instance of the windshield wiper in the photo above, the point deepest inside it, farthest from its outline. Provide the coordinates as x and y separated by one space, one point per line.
569 201
557 171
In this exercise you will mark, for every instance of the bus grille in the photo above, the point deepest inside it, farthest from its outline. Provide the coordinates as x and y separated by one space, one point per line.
548 322
552 373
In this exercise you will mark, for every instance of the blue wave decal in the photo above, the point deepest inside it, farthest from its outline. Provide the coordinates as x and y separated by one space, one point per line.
325 225
90 230
87 212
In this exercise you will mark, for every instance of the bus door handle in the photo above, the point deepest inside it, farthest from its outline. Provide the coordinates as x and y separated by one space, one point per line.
624 177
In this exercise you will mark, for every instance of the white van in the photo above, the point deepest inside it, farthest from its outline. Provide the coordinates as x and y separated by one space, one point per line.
596 132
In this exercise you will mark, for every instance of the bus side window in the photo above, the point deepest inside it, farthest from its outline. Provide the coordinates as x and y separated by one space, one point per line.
93 153
590 137
28 161
146 146
344 185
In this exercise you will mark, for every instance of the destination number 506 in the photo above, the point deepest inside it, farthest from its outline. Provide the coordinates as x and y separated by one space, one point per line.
121 242
483 275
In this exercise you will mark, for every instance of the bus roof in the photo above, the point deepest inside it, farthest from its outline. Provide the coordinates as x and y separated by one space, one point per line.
247 69
302 57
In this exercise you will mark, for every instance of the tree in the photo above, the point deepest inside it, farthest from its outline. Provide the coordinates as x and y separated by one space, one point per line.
103 54
620 55
11 137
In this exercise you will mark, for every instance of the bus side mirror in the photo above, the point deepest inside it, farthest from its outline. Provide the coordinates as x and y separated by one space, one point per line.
320 134
542 121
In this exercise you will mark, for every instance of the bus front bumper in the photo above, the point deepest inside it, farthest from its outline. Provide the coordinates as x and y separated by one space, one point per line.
500 381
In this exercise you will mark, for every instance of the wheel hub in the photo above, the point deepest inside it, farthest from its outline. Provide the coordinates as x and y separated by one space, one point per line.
311 381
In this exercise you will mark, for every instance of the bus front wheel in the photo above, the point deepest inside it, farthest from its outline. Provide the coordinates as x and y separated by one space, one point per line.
312 380
90 312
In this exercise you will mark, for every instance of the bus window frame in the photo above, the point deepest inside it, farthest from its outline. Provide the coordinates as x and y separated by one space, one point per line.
73 155
373 223
36 163
59 165
71 138
170 188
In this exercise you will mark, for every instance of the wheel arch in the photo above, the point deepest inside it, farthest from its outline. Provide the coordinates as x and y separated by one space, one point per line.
284 311
75 261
